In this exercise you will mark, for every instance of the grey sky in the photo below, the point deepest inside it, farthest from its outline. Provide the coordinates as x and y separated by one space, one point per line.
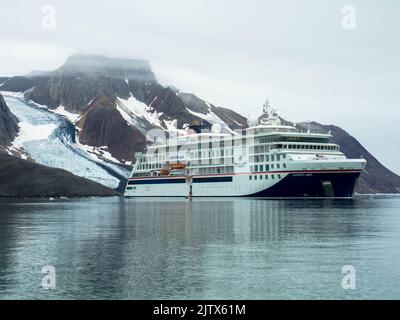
236 53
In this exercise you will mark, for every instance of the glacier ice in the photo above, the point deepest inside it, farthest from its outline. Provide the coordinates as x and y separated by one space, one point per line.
49 139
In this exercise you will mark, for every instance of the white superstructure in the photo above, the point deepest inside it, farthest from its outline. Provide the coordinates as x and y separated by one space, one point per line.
269 159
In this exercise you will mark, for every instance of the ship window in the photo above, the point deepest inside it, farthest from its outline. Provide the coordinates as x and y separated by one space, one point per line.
272 166
255 177
266 167
284 165
267 158
256 168
261 167
278 166
272 157
250 177
266 177
261 177
251 168
284 156
279 176
272 176
278 157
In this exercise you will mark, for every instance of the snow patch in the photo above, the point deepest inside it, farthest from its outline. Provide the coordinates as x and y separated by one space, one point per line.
210 117
134 108
73 117
97 152
171 126
31 132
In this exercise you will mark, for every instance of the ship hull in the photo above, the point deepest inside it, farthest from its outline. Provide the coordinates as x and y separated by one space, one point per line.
297 184
316 185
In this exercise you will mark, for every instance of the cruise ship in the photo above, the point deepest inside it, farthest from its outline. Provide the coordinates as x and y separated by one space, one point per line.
269 159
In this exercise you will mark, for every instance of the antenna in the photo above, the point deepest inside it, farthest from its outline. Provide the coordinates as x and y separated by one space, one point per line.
308 126
266 106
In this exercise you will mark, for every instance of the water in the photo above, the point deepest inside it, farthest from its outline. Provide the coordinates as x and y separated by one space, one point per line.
114 248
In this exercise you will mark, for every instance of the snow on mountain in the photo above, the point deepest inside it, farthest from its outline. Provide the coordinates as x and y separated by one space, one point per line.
73 117
138 113
49 138
8 125
211 117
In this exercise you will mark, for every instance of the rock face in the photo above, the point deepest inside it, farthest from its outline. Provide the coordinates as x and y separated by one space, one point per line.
8 125
3 80
119 100
102 125
20 84
22 178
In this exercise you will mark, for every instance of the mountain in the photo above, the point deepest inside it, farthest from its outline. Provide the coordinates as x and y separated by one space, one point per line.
102 125
23 178
49 137
3 80
211 113
87 83
8 125
108 106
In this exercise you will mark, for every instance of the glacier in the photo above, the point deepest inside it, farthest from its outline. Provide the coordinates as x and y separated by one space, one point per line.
50 139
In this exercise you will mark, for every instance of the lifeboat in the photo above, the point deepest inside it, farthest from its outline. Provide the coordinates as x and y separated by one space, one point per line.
178 166
178 169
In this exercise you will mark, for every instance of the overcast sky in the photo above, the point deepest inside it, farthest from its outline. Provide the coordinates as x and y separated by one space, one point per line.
308 56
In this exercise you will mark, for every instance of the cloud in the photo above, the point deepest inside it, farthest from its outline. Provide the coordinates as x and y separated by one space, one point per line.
21 57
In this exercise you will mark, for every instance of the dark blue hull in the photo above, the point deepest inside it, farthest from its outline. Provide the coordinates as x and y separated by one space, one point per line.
313 185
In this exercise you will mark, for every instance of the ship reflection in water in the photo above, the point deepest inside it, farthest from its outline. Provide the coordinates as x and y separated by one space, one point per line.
201 249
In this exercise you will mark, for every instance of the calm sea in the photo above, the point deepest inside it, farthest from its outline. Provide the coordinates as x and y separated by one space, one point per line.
114 248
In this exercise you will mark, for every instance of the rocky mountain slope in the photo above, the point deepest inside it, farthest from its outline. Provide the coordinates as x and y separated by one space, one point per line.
23 178
102 125
8 125
3 80
112 103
